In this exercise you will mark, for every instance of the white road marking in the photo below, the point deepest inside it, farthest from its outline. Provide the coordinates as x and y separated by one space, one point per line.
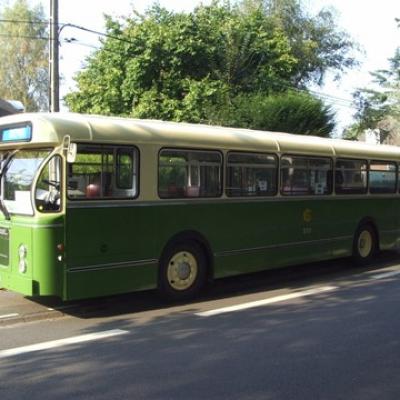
4 316
61 342
260 303
385 275
61 308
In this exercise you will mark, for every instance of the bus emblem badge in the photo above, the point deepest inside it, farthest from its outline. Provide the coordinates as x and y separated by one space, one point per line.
307 215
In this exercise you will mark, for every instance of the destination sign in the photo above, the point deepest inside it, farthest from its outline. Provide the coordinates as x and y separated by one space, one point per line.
20 133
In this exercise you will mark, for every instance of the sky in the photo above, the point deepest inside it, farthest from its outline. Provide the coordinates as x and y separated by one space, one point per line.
370 23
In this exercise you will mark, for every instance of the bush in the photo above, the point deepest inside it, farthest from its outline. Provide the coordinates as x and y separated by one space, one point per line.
291 112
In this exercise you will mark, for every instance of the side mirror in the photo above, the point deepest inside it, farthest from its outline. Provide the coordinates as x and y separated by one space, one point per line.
69 149
71 152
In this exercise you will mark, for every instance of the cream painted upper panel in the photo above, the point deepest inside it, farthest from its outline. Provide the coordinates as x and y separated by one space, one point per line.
346 148
51 129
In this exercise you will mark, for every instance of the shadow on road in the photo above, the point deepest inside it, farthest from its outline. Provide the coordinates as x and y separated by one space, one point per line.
342 345
284 278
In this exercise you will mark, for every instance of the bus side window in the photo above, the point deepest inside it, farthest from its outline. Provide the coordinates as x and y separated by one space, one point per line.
351 176
251 174
382 177
189 173
306 176
103 172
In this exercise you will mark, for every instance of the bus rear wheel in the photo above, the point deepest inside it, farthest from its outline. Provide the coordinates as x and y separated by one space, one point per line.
365 244
182 272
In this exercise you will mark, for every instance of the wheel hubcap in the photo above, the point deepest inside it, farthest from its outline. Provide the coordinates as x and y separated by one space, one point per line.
365 244
182 270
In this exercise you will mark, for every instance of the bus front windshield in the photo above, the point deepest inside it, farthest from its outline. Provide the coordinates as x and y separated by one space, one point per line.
18 172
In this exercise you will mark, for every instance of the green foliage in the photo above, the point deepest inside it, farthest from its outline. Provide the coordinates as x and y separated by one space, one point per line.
24 56
292 112
315 40
186 67
380 108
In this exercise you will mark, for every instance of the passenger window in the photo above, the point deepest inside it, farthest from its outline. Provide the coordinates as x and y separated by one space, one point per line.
306 176
189 173
250 174
101 172
351 176
382 177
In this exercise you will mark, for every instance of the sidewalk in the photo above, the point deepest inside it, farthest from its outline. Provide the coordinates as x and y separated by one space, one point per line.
15 308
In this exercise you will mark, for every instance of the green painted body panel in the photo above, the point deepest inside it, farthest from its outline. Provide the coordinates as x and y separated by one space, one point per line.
110 250
116 249
44 273
255 235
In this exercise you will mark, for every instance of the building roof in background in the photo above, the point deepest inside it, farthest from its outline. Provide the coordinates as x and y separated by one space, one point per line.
8 107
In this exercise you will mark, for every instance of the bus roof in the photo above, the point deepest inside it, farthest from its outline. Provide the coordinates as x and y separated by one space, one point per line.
50 129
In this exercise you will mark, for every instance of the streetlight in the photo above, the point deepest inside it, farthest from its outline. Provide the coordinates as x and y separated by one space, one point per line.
54 58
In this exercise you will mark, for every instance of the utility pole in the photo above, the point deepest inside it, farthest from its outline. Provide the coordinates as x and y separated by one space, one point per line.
54 58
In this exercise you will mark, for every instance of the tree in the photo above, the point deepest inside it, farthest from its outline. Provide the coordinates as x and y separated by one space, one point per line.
294 112
315 40
379 108
182 67
24 55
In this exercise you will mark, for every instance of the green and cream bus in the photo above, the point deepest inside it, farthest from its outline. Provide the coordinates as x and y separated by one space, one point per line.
94 206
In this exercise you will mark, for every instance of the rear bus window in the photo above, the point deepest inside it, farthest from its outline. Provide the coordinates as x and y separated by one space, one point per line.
351 176
251 174
382 177
189 173
306 176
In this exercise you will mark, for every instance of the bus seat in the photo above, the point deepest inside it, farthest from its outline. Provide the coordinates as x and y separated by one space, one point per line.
192 191
92 190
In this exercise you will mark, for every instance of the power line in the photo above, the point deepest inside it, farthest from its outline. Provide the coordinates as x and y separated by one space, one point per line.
65 25
23 21
9 35
340 102
329 96
324 96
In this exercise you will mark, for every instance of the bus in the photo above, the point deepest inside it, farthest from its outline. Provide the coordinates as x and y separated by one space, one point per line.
94 206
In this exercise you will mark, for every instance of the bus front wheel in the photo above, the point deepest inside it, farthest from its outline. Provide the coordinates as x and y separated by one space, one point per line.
182 271
365 244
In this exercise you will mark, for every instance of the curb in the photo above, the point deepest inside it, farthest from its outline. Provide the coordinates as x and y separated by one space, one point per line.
31 317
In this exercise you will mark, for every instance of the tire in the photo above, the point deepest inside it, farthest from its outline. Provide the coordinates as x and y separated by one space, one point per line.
182 271
365 244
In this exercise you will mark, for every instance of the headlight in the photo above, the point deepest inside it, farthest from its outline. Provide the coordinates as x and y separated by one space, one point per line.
22 258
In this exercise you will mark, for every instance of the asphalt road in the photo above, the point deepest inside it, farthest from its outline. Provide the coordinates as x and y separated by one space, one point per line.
328 331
